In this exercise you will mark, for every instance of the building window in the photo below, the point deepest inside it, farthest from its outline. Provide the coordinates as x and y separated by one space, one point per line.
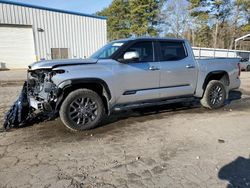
59 53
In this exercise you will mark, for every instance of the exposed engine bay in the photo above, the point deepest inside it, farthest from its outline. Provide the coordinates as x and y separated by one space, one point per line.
37 101
42 92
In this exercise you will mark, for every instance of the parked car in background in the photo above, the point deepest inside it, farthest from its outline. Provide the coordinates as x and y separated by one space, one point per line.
245 64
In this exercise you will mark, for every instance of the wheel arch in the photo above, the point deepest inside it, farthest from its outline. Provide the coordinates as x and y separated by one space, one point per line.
216 75
95 84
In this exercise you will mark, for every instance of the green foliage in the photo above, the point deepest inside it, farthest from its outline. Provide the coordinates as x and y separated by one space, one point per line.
144 14
204 36
246 28
118 15
195 3
219 21
197 8
131 17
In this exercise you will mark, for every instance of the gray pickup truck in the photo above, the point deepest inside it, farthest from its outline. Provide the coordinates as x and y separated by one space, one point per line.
128 73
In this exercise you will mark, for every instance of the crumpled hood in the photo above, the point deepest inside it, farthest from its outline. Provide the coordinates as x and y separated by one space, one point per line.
50 64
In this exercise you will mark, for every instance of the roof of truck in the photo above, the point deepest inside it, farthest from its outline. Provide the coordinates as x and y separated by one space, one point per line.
151 38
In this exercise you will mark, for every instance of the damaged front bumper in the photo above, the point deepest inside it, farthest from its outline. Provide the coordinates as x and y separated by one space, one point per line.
19 113
38 100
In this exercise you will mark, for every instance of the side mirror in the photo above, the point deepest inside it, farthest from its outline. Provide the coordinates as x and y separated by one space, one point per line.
131 56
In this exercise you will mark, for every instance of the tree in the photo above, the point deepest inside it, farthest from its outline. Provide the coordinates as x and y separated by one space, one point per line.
206 23
219 11
144 16
199 18
204 36
212 13
130 17
118 19
241 12
175 18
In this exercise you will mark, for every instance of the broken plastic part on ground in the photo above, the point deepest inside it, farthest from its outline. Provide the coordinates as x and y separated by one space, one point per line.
21 114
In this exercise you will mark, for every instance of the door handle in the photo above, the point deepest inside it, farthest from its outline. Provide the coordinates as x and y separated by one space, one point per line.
190 66
153 68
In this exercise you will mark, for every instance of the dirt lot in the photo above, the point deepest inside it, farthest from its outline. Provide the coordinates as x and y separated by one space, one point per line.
167 146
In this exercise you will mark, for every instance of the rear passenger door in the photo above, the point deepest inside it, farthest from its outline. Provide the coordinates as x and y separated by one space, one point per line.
177 69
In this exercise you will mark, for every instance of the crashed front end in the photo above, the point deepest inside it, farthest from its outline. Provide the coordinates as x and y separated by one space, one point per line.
42 93
41 96
37 102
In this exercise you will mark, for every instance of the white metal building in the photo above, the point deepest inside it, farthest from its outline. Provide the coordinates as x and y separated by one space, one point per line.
29 33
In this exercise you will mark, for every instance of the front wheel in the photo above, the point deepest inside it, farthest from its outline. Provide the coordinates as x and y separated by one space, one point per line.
214 96
82 109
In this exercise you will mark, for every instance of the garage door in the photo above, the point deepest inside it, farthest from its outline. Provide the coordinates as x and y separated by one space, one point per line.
16 46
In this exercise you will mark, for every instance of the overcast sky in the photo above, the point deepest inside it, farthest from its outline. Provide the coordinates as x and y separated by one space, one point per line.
84 6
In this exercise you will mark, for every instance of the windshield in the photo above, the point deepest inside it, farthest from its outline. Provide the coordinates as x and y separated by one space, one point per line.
107 51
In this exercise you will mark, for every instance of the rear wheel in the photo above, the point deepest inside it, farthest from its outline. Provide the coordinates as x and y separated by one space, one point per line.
215 95
82 109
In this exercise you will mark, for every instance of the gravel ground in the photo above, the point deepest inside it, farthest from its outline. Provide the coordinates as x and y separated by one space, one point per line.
18 74
167 146
12 77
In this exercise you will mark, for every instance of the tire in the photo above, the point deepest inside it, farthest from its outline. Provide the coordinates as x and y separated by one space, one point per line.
248 68
82 109
215 95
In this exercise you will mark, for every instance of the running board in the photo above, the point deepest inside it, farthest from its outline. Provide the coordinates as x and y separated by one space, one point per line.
152 103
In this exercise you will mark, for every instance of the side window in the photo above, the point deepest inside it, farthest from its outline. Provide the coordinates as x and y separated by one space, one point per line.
145 50
172 51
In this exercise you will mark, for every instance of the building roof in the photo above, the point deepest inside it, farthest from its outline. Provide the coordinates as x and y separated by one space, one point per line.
51 9
244 38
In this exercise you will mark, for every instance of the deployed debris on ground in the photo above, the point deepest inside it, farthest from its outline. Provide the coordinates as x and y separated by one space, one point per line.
21 114
18 114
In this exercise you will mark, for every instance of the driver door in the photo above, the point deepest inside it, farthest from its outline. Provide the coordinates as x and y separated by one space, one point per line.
138 79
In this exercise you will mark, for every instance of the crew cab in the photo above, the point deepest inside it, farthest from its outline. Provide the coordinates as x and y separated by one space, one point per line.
128 73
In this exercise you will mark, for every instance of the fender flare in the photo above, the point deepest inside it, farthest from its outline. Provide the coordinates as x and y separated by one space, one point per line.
71 82
218 72
67 83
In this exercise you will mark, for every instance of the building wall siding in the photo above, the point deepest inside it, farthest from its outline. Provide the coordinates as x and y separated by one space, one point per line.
82 35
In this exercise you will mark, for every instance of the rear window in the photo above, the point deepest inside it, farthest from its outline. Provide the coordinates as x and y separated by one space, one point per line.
172 51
